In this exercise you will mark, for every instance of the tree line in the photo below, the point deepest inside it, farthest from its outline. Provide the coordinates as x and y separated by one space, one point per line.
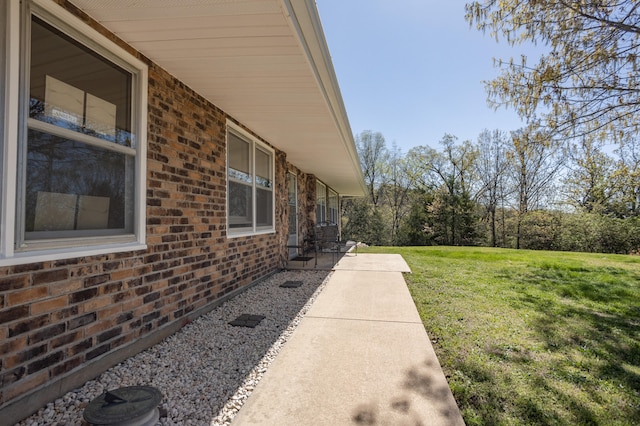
523 189
569 180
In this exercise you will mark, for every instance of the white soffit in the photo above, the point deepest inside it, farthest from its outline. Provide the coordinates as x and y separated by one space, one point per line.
264 62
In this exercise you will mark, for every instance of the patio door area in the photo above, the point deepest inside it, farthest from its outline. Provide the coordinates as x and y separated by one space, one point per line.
293 214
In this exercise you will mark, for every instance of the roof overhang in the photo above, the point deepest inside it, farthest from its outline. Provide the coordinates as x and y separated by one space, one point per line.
264 62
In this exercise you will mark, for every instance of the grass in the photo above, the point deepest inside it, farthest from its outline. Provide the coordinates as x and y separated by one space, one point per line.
532 337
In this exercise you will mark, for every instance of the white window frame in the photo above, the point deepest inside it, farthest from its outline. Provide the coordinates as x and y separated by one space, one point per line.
254 145
17 18
321 202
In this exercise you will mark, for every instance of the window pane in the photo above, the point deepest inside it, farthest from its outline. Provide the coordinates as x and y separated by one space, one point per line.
72 186
263 168
240 205
293 203
239 158
333 206
74 88
264 213
250 183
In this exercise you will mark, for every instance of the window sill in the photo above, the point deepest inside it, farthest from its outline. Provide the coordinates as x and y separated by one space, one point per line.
239 234
21 258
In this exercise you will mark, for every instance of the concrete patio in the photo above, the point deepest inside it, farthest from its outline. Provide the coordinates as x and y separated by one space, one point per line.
361 355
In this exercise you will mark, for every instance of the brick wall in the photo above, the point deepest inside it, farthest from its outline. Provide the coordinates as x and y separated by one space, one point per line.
59 317
308 208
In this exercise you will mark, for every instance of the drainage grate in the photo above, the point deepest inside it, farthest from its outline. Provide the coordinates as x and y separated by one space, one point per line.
291 284
246 320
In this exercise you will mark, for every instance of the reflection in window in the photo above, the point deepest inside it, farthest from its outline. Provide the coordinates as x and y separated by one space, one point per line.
78 156
76 89
75 186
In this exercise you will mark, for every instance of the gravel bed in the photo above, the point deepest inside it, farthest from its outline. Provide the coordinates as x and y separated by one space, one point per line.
206 370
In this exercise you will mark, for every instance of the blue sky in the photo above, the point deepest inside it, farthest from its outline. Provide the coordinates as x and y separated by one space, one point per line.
413 69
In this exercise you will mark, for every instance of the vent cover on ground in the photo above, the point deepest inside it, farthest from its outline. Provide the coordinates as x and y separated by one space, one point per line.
246 320
291 284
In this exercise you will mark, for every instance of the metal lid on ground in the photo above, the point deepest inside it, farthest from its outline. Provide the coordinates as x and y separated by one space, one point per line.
133 405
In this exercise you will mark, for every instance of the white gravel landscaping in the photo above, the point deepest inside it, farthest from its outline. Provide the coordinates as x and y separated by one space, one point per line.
206 370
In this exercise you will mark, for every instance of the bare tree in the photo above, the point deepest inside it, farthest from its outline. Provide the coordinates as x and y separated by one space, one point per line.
396 193
491 167
374 158
535 159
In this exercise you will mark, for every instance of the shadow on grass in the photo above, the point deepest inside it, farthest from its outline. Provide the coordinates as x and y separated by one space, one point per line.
580 362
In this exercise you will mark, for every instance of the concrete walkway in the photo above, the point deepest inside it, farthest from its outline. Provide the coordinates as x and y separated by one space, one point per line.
360 356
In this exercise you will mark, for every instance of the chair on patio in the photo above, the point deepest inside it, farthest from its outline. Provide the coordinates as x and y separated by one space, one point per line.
327 239
302 251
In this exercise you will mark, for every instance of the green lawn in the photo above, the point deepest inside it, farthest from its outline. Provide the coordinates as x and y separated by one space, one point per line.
532 337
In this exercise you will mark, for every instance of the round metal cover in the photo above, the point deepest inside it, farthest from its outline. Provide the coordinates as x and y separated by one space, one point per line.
128 404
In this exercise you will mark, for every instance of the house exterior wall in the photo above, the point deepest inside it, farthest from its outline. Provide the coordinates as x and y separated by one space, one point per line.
65 321
309 204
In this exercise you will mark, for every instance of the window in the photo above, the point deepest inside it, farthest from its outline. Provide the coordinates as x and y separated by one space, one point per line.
78 148
292 201
250 184
321 202
334 215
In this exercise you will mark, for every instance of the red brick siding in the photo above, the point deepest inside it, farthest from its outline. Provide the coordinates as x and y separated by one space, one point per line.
56 316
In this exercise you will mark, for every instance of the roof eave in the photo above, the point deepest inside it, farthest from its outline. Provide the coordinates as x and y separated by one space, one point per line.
265 63
306 21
